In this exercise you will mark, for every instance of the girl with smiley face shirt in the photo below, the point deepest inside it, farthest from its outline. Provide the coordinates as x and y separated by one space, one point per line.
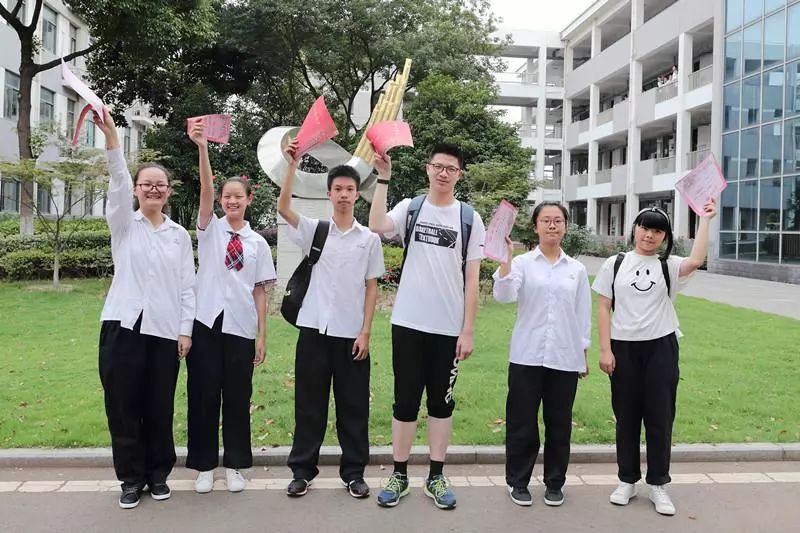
638 330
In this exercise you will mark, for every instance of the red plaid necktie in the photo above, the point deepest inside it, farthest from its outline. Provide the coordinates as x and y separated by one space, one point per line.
234 255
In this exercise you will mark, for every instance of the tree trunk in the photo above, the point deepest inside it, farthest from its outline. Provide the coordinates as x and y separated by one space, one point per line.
26 74
56 270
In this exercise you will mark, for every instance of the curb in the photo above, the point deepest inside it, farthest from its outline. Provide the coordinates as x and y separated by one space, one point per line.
456 454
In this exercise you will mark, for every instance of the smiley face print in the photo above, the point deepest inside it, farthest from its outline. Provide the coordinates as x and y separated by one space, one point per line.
643 282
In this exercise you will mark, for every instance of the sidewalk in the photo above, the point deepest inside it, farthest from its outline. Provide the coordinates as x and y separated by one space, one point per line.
767 296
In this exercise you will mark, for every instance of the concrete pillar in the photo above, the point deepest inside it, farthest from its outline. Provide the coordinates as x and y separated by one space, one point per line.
541 112
716 120
597 38
569 57
634 143
683 133
637 14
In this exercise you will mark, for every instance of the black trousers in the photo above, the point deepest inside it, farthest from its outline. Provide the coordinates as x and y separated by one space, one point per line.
318 360
644 387
220 370
528 386
139 373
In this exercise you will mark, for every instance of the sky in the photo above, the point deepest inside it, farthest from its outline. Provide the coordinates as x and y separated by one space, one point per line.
551 15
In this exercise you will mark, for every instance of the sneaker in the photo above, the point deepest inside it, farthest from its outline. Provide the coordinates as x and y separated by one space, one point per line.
623 493
396 487
660 498
520 496
160 491
358 488
235 479
129 497
553 497
204 482
437 489
297 488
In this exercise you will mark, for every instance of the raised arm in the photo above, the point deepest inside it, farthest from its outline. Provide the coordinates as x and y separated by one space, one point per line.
197 134
700 246
119 205
285 199
379 222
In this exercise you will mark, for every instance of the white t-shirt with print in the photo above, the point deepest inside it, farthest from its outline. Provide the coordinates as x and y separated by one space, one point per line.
643 310
430 296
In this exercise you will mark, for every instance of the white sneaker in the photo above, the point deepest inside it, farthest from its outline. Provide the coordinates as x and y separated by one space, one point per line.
660 498
623 493
235 479
204 482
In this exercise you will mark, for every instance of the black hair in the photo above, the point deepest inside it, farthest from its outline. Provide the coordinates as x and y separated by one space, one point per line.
248 189
658 219
344 171
447 149
542 205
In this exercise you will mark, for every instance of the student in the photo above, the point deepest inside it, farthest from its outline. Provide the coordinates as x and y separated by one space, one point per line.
146 322
433 319
234 274
548 352
639 346
335 322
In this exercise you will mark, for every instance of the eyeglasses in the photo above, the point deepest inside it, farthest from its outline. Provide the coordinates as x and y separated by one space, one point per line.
551 221
148 187
451 170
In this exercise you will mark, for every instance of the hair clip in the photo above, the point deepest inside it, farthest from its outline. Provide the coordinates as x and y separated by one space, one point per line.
244 178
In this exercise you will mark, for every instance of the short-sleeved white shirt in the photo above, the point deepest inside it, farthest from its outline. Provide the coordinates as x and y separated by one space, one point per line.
222 289
430 296
643 310
334 303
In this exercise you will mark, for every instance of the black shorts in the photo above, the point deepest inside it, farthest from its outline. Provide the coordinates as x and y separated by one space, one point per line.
423 361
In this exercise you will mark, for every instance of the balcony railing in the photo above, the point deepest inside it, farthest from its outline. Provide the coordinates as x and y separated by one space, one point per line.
603 176
667 92
582 179
529 78
583 125
556 133
553 183
664 165
554 82
702 77
527 130
694 158
605 116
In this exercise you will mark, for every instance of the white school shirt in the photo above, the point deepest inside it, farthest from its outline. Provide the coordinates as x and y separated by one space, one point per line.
153 267
220 289
334 303
430 296
643 311
554 310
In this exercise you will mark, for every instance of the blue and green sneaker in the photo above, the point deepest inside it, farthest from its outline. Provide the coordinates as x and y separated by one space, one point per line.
396 487
436 487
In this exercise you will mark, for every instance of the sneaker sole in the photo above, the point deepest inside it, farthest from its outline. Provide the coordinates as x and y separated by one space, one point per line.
354 495
621 502
204 490
553 503
298 494
522 503
161 497
437 504
663 513
394 503
128 505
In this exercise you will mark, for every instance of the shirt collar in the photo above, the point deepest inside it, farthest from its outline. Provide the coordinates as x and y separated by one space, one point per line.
355 227
537 253
168 222
244 231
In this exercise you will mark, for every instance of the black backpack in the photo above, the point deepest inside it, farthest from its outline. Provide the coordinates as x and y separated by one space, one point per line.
297 286
618 262
467 214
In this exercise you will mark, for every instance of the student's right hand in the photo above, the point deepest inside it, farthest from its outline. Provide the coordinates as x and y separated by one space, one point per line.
383 164
607 361
107 126
290 151
197 133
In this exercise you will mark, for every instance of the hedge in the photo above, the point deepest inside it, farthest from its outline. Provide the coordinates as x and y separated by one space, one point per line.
393 258
38 264
80 240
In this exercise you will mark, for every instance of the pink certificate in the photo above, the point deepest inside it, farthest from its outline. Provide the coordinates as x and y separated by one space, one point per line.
502 222
703 182
317 128
218 127
386 135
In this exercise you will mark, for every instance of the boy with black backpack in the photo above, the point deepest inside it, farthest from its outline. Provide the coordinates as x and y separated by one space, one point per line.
434 312
334 319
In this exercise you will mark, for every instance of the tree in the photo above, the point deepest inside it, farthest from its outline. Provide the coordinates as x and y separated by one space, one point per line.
135 34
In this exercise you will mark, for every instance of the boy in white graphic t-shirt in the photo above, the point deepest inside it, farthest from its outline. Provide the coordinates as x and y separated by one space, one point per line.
434 313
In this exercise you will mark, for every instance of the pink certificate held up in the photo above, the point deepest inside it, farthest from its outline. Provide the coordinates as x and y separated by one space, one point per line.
317 128
703 182
386 135
218 127
502 222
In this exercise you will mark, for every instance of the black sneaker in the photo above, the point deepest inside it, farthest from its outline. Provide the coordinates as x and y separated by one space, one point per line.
358 488
520 496
160 491
297 488
129 497
553 497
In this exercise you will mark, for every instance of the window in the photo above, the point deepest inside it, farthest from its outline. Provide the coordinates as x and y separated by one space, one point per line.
733 56
790 251
47 101
752 9
9 195
126 142
751 89
733 14
730 116
771 149
748 155
71 104
49 29
772 5
43 199
730 156
791 146
89 126
727 246
728 207
11 108
793 32
748 205
791 203
73 41
774 39
751 48
792 101
772 95
770 206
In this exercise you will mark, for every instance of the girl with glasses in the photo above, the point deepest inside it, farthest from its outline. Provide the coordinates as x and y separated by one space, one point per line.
639 333
548 352
146 322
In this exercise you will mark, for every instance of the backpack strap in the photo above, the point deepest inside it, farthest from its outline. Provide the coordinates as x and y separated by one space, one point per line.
318 243
617 264
467 215
665 271
411 221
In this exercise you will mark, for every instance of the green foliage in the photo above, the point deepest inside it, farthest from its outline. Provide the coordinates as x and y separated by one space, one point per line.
79 240
38 264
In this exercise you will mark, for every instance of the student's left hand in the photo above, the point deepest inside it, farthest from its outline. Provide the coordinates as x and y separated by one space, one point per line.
361 347
261 352
710 209
184 345
464 346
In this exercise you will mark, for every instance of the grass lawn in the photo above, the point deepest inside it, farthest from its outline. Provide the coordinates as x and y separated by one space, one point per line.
739 373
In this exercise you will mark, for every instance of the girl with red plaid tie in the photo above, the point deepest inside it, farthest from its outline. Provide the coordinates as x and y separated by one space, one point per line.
235 270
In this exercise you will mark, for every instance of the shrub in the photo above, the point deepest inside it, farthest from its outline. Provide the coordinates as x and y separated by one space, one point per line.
38 264
80 240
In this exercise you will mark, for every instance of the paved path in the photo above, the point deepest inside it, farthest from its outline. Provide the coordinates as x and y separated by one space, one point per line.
710 497
768 296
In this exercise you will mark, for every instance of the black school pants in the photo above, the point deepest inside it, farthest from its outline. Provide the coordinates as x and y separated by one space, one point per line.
644 387
220 372
529 386
320 359
139 373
